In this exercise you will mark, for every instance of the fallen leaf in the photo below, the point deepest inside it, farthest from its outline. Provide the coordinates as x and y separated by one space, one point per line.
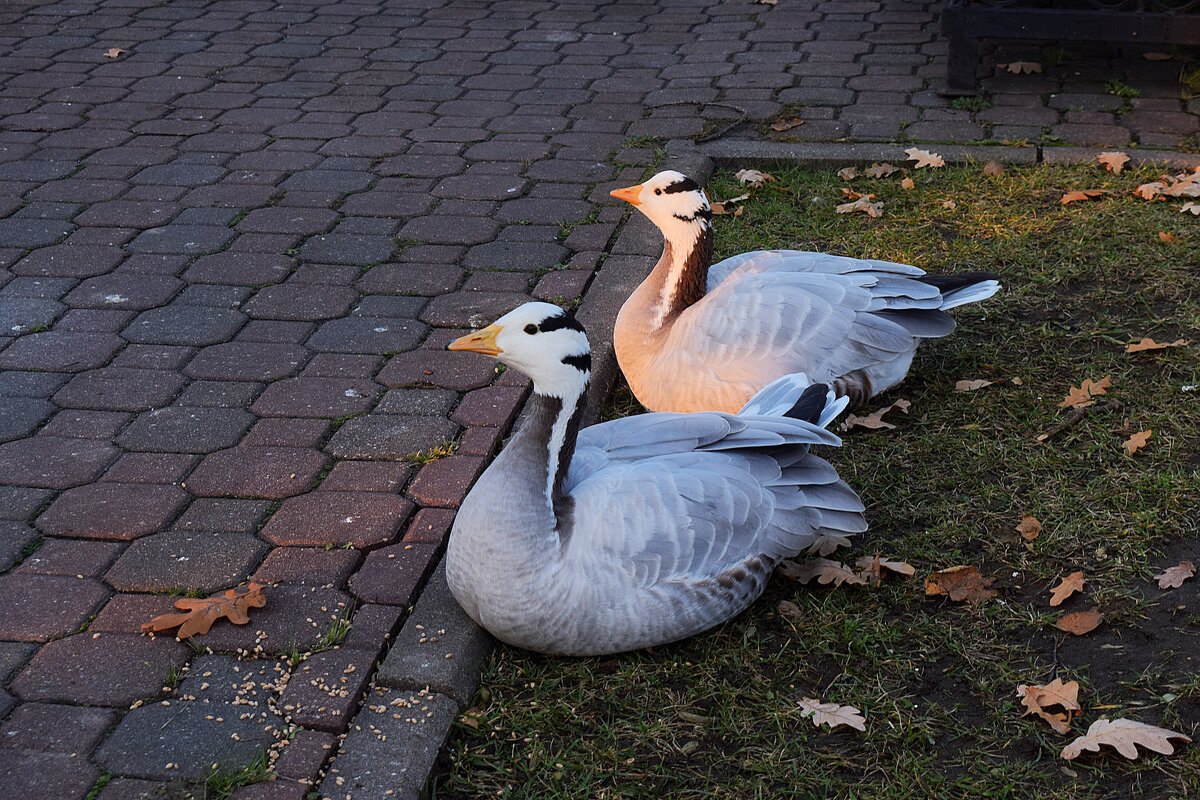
1156 56
1149 191
1082 195
971 386
850 194
880 170
1039 699
1173 577
1080 622
872 210
875 421
1149 344
825 571
1029 528
847 173
832 714
1191 208
1016 382
753 177
1113 161
872 568
781 125
201 613
959 584
766 2
924 158
993 169
1185 187
949 204
1070 585
1137 441
114 52
1124 735
719 210
1083 395
826 543
907 183
1021 67
789 609
1166 238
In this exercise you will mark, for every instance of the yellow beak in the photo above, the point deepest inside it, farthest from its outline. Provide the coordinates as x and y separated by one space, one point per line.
481 341
630 194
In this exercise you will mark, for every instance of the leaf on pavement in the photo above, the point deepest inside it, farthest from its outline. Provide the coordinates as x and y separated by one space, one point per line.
832 714
962 583
1113 161
825 572
1137 441
1080 622
114 52
1123 735
875 421
1070 585
781 125
924 158
201 613
1173 577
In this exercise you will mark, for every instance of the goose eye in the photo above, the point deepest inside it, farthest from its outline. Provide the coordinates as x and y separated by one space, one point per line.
531 329
658 191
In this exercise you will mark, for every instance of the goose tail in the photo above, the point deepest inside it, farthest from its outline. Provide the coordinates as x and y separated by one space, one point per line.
966 287
796 396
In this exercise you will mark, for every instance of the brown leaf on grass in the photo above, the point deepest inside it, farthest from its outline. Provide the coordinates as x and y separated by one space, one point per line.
1157 56
850 194
753 177
1084 395
872 569
1082 196
826 543
1123 735
971 385
1166 238
924 158
1029 528
872 210
832 714
875 421
1191 208
962 583
1149 344
949 205
1113 161
1070 585
993 169
1080 622
1183 185
825 572
781 125
1173 577
114 52
1021 67
907 183
787 608
847 173
1150 191
721 210
878 170
1137 441
1039 699
201 613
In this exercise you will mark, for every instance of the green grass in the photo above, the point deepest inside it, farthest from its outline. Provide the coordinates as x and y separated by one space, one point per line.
716 716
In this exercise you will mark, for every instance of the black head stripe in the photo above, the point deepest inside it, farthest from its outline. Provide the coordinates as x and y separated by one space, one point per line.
685 185
581 362
559 321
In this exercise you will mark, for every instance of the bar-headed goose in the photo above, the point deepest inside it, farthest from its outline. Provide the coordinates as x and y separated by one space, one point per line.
642 530
695 337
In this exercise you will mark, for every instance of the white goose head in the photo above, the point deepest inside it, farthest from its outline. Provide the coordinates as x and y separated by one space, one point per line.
541 340
674 202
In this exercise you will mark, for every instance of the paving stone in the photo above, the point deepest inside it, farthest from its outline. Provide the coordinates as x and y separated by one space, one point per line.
186 429
391 750
56 728
126 613
289 219
247 361
448 370
20 416
316 397
315 566
392 575
259 472
425 402
186 560
494 406
389 436
223 514
287 432
295 616
219 394
422 279
53 463
13 656
120 389
86 424
387 306
367 476
450 229
14 383
81 559
300 302
151 468
23 314
368 335
136 789
240 268
112 511
470 309
65 670
37 608
33 775
69 261
445 482
341 248
60 351
29 233
19 503
361 519
185 324
324 689
305 755
273 790
184 239
125 292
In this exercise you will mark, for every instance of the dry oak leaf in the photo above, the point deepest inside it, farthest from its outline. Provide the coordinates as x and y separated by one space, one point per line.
1191 208
1070 585
1113 161
1123 735
924 158
114 52
1137 441
201 613
872 568
826 543
1029 528
907 183
1173 577
875 421
1021 67
832 714
971 386
880 170
847 173
825 571
719 210
1149 344
850 194
993 169
1037 699
872 210
1083 395
1166 238
1082 195
753 177
1080 622
949 205
781 125
959 584
1150 191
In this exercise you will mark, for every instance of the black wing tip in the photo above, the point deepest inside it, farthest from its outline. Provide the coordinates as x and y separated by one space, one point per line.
960 280
811 404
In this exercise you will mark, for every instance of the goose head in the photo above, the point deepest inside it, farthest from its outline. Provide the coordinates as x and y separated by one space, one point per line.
543 341
673 201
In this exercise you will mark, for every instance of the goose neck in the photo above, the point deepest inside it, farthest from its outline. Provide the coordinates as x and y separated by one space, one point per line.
686 257
554 428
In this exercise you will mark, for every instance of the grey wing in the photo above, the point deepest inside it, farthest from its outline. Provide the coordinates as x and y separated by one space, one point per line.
803 261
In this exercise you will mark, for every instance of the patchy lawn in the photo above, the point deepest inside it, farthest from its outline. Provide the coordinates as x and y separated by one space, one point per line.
717 716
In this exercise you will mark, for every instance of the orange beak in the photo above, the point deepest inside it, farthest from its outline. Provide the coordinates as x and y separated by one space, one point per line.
482 341
630 194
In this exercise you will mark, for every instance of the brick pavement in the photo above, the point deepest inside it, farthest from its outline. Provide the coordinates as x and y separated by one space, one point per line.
230 258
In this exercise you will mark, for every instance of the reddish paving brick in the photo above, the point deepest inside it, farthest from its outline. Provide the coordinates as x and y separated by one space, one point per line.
430 526
275 790
120 389
82 559
135 789
367 476
294 616
392 575
135 668
445 482
470 309
447 370
324 689
53 463
37 608
269 472
479 441
316 397
187 561
494 406
56 728
390 436
362 519
33 775
315 566
125 613
287 432
342 365
305 755
115 511
562 286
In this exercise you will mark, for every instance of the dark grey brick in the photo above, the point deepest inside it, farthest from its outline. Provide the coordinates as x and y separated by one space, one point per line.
190 429
185 324
389 436
191 561
186 239
368 335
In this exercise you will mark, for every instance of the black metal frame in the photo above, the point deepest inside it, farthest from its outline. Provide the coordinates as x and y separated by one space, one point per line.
966 22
